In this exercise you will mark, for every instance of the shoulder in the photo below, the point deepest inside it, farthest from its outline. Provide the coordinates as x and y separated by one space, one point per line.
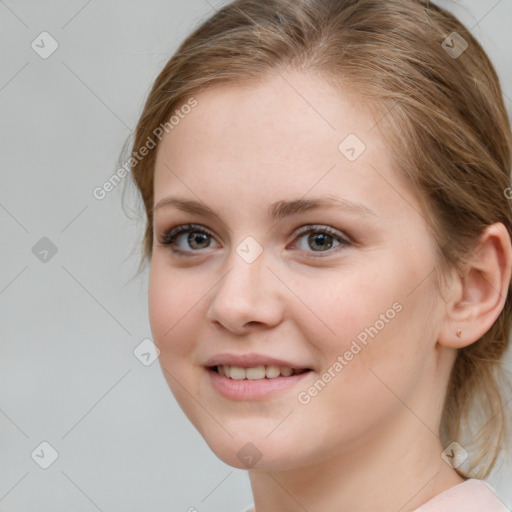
472 495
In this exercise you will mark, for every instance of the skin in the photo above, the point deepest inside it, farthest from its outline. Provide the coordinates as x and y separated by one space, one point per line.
369 440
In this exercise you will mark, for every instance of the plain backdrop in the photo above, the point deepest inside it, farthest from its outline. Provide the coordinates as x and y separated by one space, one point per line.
71 314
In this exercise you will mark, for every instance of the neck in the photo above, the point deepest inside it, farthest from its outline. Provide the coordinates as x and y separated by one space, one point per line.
394 469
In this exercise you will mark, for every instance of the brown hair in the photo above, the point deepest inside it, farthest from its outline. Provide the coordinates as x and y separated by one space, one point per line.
443 115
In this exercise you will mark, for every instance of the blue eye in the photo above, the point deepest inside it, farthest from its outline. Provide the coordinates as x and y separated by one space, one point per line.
321 237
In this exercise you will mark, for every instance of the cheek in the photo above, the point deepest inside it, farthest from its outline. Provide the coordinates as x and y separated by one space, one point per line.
382 337
173 317
363 378
171 309
368 317
349 306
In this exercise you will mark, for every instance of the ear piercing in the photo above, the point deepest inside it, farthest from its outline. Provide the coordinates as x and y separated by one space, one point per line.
458 334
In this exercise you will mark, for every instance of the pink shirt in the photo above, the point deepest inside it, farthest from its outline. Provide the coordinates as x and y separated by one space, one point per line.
472 495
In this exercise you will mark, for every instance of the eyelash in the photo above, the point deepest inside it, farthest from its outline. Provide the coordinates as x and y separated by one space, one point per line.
170 236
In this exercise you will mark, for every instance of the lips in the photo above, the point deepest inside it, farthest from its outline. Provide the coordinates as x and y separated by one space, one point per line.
257 389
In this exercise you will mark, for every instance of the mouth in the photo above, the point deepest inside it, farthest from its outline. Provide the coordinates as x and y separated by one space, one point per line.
255 383
256 372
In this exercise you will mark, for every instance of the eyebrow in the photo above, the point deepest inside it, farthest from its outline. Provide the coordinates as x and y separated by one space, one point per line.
277 210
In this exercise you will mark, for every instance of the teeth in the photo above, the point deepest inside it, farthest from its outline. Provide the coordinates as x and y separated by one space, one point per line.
272 371
286 371
258 372
237 373
255 373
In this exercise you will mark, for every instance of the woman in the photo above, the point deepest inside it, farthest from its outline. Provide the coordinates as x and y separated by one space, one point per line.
328 233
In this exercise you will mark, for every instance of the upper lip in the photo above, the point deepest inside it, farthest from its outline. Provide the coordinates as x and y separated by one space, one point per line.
250 361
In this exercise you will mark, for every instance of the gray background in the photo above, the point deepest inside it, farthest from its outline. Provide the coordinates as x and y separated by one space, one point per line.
68 375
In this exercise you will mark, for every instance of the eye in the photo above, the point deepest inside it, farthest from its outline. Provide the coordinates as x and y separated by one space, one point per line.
321 238
198 237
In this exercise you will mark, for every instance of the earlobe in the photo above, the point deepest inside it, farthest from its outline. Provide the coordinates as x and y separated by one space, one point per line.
481 291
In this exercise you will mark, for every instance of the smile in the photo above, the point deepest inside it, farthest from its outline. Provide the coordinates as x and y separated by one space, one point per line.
256 372
253 383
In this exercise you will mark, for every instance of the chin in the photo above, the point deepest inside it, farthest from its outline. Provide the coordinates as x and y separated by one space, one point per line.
260 454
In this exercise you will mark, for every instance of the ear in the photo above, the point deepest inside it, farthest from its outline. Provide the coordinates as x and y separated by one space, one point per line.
478 296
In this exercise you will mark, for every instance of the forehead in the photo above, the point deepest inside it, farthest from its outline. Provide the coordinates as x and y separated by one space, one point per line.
296 107
285 137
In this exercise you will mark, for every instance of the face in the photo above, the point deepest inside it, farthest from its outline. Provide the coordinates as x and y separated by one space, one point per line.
342 290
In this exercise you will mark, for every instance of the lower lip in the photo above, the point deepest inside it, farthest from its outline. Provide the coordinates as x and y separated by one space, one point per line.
245 389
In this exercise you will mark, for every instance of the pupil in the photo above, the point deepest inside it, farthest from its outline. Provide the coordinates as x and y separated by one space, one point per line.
322 238
193 237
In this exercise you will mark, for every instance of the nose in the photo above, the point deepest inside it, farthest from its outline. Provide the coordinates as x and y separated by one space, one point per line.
247 296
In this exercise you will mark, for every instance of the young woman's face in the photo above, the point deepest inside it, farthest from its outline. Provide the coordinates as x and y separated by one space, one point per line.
350 297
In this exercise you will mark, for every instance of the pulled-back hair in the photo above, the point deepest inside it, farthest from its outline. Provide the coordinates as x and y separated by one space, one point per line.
442 115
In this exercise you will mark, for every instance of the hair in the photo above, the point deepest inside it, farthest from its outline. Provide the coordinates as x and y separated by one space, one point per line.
443 116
